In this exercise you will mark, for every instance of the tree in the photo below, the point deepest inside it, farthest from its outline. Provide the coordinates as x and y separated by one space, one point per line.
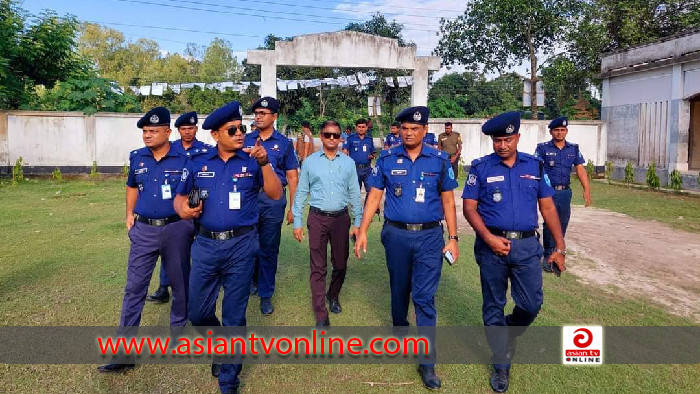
499 34
474 95
218 62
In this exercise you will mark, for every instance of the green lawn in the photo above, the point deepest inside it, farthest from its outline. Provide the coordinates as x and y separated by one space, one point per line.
63 263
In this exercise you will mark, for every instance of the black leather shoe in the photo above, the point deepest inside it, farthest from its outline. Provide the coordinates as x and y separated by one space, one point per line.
253 288
430 380
334 305
161 296
266 307
215 369
115 368
325 323
499 380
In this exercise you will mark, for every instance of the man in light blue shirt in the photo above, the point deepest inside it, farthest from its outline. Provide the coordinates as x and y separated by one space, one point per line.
331 180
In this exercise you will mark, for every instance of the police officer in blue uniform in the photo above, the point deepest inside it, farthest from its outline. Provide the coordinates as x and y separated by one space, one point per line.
501 196
223 254
360 147
188 144
155 230
394 137
429 140
559 155
419 182
280 153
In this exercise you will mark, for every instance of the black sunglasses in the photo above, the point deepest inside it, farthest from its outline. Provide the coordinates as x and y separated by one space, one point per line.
331 135
232 130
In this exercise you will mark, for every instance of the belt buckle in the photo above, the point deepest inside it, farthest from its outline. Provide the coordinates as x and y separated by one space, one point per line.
158 222
414 226
221 236
512 234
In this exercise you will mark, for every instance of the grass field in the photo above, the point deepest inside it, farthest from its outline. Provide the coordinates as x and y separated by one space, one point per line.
63 263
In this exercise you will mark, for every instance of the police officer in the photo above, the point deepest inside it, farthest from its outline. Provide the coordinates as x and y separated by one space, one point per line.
501 196
152 224
188 144
419 183
360 147
451 143
393 138
280 153
223 254
558 156
429 140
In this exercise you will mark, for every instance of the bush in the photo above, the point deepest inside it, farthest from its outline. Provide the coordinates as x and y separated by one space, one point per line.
125 170
56 175
608 169
93 170
652 179
590 169
18 171
629 173
675 180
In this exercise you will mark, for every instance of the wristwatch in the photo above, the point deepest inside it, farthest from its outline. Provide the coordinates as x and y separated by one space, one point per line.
455 237
561 252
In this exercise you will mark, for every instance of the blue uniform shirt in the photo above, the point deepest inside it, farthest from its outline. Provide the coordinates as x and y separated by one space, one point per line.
359 149
216 179
429 139
507 197
197 146
402 177
280 152
558 162
150 176
392 140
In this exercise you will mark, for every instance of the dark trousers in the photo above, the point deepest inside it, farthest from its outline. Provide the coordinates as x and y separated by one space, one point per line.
562 200
172 243
363 177
323 229
522 267
270 218
164 280
222 263
455 168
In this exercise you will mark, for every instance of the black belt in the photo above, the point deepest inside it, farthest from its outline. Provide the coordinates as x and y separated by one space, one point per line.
332 214
225 235
157 222
363 165
513 234
413 226
561 187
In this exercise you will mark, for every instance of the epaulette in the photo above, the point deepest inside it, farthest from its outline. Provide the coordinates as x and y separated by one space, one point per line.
385 153
136 152
529 156
440 154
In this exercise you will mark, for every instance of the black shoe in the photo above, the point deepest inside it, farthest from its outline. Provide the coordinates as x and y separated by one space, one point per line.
427 375
499 380
215 369
253 288
266 307
115 368
325 323
334 305
161 296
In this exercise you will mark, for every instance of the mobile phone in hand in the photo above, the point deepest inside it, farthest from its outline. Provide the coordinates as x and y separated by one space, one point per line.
555 268
449 258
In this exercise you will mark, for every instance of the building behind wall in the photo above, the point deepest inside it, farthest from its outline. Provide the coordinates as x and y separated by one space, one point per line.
651 103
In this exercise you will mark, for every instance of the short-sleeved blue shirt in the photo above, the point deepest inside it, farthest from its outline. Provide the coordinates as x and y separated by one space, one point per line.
429 139
558 162
392 140
401 178
149 176
359 149
507 197
280 152
216 179
196 146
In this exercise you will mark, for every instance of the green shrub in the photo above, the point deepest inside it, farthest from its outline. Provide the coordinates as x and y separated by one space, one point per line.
93 170
675 180
18 171
653 179
629 172
608 169
590 169
56 175
125 170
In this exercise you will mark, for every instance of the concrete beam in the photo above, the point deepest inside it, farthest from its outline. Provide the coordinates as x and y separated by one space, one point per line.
673 48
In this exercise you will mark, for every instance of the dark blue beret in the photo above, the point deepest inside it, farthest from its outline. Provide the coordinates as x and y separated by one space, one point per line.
187 119
158 116
414 115
561 121
266 102
503 125
227 113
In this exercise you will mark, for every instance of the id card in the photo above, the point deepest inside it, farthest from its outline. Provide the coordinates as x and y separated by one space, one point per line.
234 200
364 148
420 194
165 192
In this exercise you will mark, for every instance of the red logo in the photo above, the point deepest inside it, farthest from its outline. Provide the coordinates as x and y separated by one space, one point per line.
584 339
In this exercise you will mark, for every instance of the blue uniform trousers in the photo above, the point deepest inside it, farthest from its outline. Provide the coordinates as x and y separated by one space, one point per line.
164 280
562 200
522 267
270 219
363 177
172 243
222 263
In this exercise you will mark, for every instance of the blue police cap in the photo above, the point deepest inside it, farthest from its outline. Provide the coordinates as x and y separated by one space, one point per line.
158 116
503 125
187 119
227 113
414 115
266 102
561 121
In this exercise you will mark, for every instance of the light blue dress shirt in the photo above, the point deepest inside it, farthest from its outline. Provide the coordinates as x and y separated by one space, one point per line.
332 184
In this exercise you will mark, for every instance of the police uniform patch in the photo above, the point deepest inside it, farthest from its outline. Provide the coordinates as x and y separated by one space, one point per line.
185 174
417 116
546 180
497 196
154 119
204 168
399 172
451 173
399 161
471 180
244 169
564 123
510 129
264 103
240 111
192 120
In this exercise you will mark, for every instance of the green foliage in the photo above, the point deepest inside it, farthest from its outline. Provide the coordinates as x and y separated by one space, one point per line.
590 169
18 171
93 170
629 172
125 170
652 178
56 175
470 94
608 169
675 180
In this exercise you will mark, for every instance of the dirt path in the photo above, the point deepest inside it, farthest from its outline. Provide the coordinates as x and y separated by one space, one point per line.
639 257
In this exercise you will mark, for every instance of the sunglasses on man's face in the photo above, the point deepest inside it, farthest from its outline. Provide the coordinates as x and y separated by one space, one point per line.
329 136
232 130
